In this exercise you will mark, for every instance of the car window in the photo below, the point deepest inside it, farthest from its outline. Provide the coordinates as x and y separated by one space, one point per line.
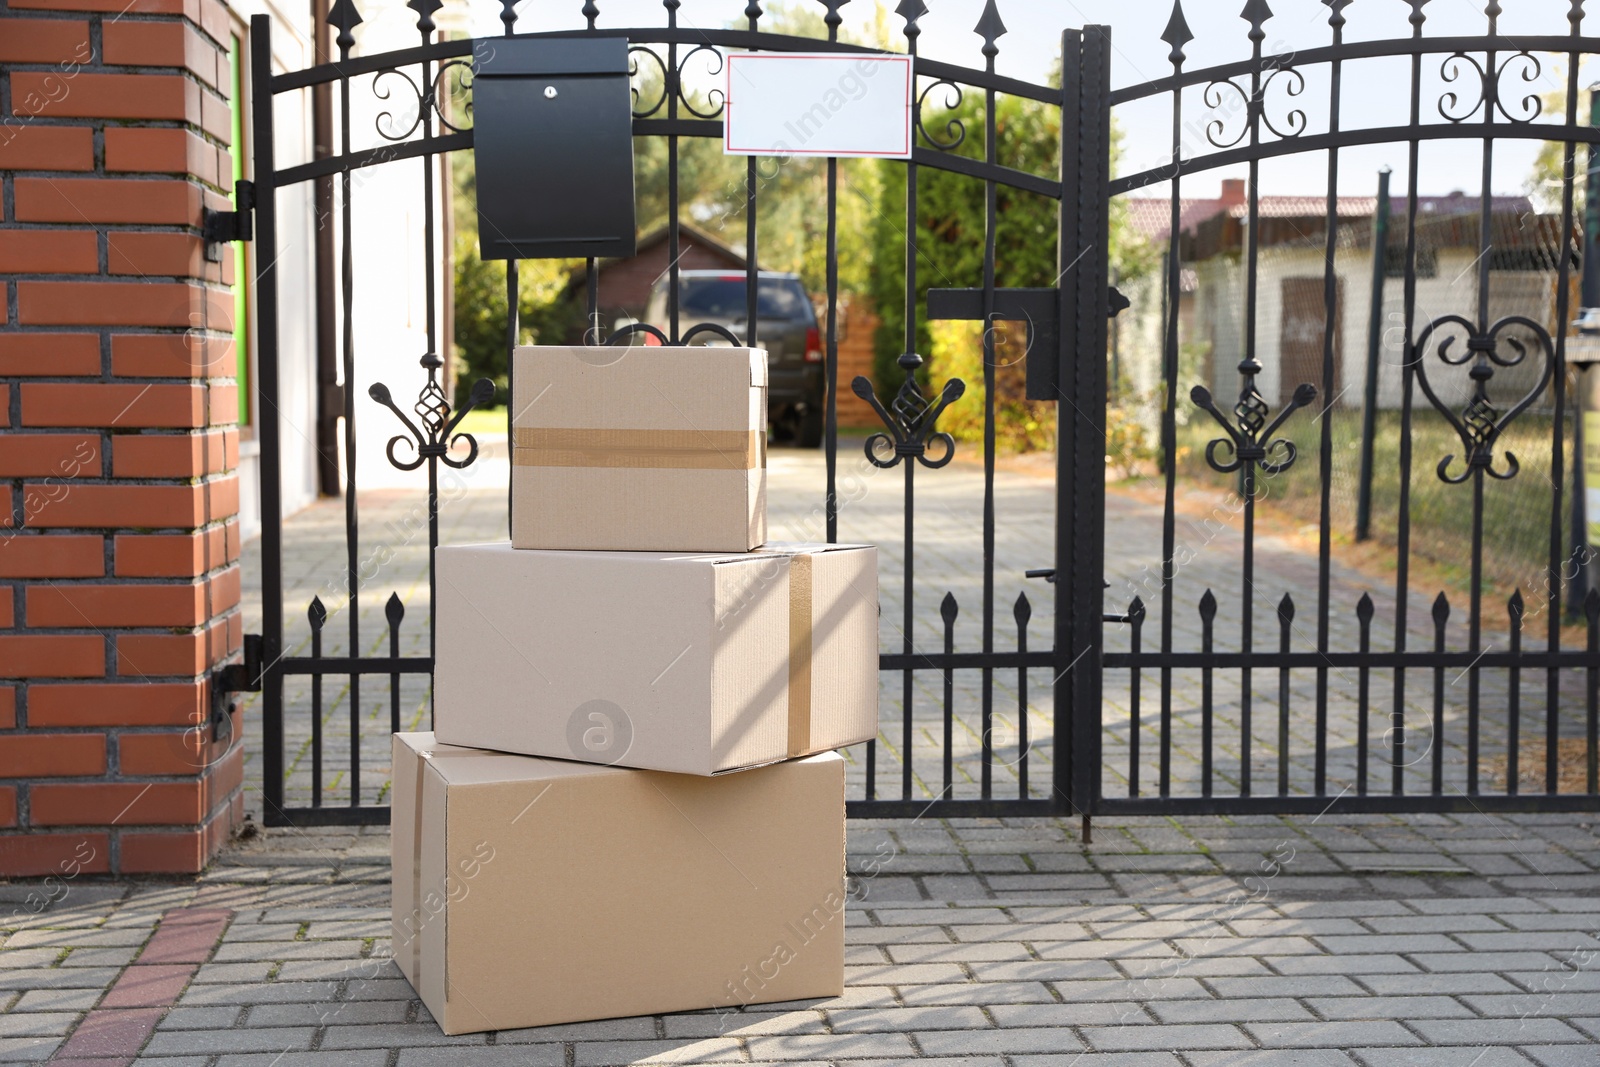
724 298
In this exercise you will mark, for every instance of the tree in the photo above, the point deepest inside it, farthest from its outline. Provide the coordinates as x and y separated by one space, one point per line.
1546 181
949 241
949 247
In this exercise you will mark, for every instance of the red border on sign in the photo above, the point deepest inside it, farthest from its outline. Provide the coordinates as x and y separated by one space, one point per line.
727 98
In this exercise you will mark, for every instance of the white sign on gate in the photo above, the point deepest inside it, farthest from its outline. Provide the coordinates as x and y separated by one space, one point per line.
817 104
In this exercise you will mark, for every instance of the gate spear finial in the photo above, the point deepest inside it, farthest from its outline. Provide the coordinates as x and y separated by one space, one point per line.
1177 34
990 28
833 18
1256 13
911 11
425 10
344 16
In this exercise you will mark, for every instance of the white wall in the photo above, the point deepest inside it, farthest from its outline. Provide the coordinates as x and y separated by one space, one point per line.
388 240
296 406
1219 317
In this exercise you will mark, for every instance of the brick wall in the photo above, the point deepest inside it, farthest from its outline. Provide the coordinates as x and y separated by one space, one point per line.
857 323
119 575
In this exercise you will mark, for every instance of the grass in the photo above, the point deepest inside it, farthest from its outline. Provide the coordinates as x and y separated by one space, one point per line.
1516 513
1572 766
484 421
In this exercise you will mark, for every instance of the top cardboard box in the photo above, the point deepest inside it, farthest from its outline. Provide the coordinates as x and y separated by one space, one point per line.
644 448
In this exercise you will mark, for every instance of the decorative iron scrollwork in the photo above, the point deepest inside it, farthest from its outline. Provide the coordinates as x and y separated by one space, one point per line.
635 71
912 423
620 335
714 97
1480 424
1288 126
1295 118
954 128
1252 441
1450 68
433 409
453 81
1489 99
386 122
1532 70
712 328
1214 98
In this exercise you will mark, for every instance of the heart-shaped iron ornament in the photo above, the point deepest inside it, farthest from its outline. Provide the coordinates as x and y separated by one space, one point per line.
1480 423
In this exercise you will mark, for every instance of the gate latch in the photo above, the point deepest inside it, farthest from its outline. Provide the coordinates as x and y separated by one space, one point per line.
221 227
1040 309
1049 575
233 678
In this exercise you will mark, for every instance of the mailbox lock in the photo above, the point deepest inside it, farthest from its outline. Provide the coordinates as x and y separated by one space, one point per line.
549 92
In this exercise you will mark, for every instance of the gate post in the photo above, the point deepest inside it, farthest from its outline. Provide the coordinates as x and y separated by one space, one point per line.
271 680
1080 426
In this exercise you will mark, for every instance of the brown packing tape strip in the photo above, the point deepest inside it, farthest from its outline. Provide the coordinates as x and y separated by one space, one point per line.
799 655
734 450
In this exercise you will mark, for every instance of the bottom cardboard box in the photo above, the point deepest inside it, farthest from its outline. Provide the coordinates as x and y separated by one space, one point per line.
532 891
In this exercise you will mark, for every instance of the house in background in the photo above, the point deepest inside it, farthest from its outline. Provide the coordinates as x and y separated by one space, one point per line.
1291 310
625 286
626 283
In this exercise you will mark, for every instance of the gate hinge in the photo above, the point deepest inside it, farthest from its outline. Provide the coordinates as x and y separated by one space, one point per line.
221 227
242 677
230 678
1049 575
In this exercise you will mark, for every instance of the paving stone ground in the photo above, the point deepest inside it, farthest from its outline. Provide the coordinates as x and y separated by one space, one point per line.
1314 941
1268 942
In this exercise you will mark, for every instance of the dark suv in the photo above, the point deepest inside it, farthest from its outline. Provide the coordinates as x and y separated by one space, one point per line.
787 329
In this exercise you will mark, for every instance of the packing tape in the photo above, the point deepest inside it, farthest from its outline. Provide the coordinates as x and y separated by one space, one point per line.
733 450
799 655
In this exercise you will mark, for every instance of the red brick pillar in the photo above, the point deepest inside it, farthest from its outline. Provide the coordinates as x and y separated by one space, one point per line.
119 574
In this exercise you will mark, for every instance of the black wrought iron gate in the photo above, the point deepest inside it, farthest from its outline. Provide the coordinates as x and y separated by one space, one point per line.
1386 699
1123 722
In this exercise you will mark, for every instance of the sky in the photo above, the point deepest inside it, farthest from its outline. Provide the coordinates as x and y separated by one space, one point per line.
1374 92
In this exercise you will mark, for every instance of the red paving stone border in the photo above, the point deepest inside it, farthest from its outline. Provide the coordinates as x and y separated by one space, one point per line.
113 1033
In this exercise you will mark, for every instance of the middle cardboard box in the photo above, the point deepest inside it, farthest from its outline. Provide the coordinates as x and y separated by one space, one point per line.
698 663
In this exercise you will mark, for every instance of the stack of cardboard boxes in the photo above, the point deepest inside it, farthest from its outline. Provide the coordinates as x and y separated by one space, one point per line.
630 803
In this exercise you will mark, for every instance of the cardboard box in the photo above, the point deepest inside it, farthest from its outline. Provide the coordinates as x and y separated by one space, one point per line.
642 448
529 891
697 663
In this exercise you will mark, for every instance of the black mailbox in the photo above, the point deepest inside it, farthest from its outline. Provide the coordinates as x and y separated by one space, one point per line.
553 138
